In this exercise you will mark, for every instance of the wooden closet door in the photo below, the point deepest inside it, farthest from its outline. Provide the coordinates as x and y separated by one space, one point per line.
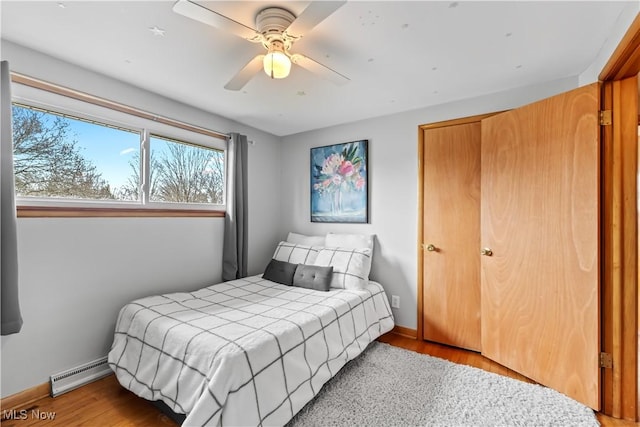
451 224
540 218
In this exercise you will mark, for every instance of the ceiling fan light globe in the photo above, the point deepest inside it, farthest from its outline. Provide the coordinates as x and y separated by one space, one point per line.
277 65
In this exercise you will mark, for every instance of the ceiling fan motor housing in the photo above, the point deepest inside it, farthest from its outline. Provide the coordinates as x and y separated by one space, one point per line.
272 23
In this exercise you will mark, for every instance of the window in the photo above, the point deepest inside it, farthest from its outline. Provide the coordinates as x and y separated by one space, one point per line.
184 173
77 155
57 156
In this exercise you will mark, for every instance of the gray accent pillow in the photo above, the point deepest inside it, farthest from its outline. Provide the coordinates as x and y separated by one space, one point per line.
313 277
280 272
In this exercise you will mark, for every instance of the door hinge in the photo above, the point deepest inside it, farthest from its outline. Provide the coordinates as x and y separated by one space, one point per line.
605 117
606 360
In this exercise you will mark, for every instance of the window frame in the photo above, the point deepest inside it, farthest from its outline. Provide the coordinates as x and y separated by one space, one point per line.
41 95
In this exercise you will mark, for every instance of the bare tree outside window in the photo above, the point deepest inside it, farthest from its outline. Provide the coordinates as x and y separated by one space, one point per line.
186 173
131 189
48 161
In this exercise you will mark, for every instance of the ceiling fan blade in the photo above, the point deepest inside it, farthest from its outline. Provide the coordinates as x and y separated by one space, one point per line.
248 71
316 12
319 69
200 13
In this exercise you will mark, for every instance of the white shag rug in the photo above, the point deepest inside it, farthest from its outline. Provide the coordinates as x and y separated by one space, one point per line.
390 386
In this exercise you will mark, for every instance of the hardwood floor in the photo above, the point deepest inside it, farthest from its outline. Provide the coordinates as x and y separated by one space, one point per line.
101 403
105 403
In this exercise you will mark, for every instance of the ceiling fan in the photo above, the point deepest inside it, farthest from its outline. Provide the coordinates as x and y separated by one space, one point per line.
277 29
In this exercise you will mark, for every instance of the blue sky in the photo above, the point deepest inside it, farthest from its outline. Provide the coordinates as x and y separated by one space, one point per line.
110 150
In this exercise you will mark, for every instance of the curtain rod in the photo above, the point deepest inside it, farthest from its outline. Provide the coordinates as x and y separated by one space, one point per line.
82 96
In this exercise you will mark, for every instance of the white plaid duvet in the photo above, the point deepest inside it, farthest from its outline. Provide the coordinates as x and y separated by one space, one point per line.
245 352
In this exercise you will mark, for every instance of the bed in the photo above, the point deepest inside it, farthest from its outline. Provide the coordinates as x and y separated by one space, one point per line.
250 351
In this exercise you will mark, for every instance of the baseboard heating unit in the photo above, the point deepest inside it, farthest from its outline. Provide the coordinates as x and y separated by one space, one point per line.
79 376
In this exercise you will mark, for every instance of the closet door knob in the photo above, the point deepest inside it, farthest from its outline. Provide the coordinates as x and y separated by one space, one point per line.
486 252
431 248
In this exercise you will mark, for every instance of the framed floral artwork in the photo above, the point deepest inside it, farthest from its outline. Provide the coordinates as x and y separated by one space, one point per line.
339 183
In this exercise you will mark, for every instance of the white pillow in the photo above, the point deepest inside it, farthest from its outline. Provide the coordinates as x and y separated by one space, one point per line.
296 254
301 239
353 241
351 267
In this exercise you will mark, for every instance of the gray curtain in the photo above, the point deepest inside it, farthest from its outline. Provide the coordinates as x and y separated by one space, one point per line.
11 318
234 252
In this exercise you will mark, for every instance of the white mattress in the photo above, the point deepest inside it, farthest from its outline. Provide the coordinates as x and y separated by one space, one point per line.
245 352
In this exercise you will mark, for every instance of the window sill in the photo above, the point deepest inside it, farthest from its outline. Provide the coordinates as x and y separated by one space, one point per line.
77 212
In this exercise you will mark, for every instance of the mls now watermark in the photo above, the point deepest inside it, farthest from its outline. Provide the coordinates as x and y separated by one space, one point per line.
25 414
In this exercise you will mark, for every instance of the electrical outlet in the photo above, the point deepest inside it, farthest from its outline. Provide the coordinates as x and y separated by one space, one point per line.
395 301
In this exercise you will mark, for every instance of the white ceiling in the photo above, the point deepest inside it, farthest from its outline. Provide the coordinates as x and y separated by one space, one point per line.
398 55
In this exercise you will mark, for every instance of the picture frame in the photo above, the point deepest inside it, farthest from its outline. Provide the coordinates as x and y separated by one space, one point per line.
340 183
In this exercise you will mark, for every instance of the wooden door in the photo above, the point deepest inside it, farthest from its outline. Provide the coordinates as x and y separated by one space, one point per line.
540 218
451 225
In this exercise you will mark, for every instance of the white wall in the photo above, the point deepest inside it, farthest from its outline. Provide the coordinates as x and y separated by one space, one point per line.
75 274
393 186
